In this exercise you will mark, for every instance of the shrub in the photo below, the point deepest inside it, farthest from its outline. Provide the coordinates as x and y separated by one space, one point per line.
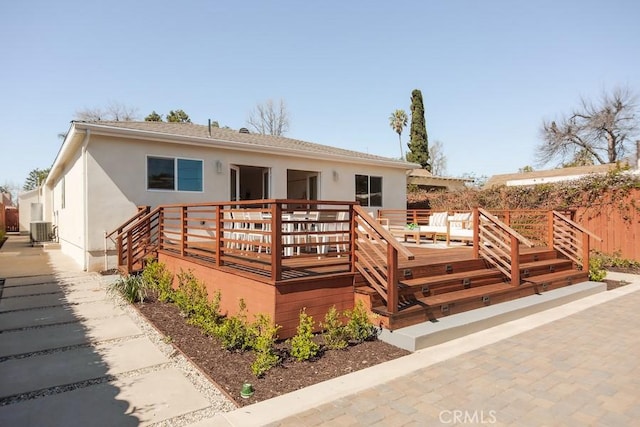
359 327
192 299
159 280
335 332
266 334
235 331
132 288
596 272
302 345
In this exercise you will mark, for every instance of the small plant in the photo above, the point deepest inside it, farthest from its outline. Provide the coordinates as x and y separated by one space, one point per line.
597 273
132 288
235 331
159 280
359 327
412 226
335 332
302 345
266 334
192 299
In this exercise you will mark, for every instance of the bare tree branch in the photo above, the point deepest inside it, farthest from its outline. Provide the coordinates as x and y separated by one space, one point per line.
601 130
269 119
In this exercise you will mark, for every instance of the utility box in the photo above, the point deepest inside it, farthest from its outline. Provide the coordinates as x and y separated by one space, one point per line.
40 231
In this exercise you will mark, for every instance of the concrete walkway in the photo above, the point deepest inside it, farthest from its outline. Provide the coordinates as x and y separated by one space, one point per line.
573 365
70 356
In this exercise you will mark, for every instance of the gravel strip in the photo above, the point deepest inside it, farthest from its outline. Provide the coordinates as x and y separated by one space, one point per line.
218 401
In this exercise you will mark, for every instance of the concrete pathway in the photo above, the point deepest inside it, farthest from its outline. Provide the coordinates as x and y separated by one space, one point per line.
573 365
71 356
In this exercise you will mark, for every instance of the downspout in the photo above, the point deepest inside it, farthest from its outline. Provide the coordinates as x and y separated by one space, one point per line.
85 194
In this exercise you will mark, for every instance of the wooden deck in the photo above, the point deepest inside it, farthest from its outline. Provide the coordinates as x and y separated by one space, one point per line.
279 260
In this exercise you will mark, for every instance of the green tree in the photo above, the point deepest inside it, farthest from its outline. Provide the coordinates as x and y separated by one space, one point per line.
153 117
178 116
418 140
35 178
398 121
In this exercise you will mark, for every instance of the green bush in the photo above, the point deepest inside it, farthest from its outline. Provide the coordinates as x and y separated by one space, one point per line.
302 345
132 288
359 327
193 301
266 334
159 280
596 272
335 332
234 332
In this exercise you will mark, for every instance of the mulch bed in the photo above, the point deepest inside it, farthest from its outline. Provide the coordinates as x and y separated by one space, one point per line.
231 369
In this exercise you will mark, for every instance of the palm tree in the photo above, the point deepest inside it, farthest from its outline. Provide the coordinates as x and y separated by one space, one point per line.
398 121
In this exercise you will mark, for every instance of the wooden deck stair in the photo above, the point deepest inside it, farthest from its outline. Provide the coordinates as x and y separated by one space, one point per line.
453 287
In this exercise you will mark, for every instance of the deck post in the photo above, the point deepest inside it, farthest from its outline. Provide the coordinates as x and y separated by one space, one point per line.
392 279
219 234
515 261
353 237
129 254
585 252
276 241
183 230
550 229
476 233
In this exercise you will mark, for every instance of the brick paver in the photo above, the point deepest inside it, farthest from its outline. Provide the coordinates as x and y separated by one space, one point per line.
579 370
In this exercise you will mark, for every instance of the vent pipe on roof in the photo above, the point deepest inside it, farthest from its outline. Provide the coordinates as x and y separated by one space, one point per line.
209 128
243 130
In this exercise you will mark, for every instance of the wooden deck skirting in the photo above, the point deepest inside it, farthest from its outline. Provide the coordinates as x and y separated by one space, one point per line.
257 249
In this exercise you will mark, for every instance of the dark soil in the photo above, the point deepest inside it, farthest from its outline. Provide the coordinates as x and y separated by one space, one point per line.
231 369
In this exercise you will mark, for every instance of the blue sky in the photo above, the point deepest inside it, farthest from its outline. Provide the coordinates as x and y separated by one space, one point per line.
489 71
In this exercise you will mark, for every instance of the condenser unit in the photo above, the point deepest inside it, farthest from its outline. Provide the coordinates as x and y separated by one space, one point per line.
40 231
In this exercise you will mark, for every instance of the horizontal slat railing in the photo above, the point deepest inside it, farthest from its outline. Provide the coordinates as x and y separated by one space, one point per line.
498 243
571 239
253 237
376 256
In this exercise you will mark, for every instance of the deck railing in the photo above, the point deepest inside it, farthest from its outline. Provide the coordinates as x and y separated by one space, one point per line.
272 240
376 256
498 243
571 239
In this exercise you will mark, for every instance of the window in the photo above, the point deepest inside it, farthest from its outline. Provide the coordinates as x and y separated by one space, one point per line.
369 190
165 173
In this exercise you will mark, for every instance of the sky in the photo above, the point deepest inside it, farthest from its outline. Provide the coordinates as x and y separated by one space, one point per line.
490 71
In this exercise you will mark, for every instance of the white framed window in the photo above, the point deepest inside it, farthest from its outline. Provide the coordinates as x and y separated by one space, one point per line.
174 174
369 190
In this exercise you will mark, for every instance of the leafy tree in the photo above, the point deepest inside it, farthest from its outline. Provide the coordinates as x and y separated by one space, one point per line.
114 111
269 119
398 121
153 117
35 178
178 116
525 169
600 132
418 140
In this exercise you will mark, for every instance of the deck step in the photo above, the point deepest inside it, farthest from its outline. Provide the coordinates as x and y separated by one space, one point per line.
429 333
466 294
570 276
458 278
549 265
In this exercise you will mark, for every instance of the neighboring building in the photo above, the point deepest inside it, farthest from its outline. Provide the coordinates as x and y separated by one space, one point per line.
425 180
548 176
8 213
105 170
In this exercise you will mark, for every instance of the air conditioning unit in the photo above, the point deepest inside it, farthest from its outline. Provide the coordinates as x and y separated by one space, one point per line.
40 231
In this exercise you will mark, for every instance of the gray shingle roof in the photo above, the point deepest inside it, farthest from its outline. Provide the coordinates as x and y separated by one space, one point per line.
191 130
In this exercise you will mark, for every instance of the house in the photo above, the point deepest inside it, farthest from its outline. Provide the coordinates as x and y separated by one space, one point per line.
548 176
424 179
105 170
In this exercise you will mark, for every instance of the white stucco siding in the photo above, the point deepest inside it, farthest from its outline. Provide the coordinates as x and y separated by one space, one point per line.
25 200
117 184
67 201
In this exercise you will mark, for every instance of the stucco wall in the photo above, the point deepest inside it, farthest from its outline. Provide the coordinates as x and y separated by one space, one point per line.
24 202
117 184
